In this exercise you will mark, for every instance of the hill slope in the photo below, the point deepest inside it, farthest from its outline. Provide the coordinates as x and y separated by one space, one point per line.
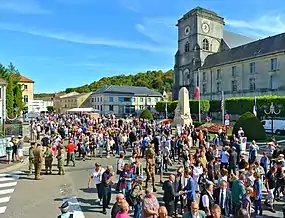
157 80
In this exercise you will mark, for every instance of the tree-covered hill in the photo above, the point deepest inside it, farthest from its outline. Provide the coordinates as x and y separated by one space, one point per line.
157 80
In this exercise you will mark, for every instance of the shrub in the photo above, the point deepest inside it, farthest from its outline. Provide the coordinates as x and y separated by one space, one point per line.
197 124
146 114
215 106
251 126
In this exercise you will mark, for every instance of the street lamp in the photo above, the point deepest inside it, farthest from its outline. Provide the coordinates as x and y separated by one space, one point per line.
273 111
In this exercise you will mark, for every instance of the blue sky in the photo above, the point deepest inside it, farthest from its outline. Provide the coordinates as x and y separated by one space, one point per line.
68 43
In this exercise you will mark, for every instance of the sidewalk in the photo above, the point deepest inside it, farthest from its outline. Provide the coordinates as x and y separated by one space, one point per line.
4 167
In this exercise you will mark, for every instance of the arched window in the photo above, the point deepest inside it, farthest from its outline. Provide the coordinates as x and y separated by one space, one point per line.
187 47
206 45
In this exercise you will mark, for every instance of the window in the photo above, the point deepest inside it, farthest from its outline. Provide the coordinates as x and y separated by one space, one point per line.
98 99
122 99
234 85
204 76
274 64
25 87
219 74
234 71
141 107
218 86
187 47
252 67
101 107
111 99
95 99
156 99
141 99
26 98
204 88
111 107
274 82
252 84
92 99
205 44
101 99
148 100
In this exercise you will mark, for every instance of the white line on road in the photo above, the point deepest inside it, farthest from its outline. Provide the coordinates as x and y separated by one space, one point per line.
6 191
3 209
9 184
4 199
5 179
75 207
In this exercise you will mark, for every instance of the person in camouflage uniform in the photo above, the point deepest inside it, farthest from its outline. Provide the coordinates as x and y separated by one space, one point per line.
150 166
38 161
31 157
48 160
60 160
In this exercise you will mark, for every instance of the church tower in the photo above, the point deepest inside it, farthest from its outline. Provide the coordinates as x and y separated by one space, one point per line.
200 33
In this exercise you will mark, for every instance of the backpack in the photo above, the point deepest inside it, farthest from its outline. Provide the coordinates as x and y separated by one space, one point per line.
130 198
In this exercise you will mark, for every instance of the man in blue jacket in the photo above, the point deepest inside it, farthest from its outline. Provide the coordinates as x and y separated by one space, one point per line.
190 190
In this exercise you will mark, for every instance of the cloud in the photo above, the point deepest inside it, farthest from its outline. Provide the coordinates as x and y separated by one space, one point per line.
82 39
160 30
263 26
22 7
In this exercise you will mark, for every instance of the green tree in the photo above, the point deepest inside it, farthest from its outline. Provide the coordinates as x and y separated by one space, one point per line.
18 98
68 90
146 114
10 98
50 109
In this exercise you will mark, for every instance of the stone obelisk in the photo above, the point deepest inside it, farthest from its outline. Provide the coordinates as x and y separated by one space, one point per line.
182 111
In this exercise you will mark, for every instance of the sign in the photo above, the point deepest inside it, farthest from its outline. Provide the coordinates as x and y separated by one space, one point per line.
227 122
227 117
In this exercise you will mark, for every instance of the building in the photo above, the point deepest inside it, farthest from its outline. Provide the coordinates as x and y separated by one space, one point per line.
28 88
63 103
124 100
215 60
39 105
3 101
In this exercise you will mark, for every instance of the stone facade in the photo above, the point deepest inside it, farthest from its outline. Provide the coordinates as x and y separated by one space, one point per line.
217 60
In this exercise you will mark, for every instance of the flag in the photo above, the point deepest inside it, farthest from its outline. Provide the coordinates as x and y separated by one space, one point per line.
254 107
197 93
222 101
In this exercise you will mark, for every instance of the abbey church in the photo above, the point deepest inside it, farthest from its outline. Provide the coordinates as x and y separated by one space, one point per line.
215 60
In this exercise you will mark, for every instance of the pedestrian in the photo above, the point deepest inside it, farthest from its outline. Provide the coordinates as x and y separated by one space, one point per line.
150 205
31 157
124 210
9 150
48 159
136 194
20 146
60 160
38 161
70 148
96 177
105 187
238 190
120 198
64 209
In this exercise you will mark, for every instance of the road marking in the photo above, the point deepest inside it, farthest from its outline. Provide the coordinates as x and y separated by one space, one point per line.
9 184
5 179
4 199
3 209
74 207
6 191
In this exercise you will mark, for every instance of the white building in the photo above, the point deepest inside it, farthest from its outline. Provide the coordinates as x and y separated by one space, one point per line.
39 105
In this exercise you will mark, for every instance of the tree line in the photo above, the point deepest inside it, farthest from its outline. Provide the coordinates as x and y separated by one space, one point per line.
14 99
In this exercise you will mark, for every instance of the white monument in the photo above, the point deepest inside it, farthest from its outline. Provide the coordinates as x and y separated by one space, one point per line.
182 111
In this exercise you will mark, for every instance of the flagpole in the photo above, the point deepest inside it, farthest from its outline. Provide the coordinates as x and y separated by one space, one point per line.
223 108
199 102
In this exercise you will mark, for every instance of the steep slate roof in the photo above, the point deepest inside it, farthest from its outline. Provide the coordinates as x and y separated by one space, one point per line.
132 90
235 39
257 48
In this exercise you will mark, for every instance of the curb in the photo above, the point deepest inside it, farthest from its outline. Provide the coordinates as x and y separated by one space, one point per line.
14 167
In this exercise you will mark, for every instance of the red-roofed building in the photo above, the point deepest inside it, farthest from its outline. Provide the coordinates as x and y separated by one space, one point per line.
28 88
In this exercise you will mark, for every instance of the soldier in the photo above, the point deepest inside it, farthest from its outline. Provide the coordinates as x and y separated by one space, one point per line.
60 160
150 166
48 160
31 157
38 161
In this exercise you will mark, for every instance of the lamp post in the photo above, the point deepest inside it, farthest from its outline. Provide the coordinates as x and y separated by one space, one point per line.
273 111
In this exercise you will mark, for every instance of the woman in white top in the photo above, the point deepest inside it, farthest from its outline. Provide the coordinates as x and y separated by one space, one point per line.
197 171
96 177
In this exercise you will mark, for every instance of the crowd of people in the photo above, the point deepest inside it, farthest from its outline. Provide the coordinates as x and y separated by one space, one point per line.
213 177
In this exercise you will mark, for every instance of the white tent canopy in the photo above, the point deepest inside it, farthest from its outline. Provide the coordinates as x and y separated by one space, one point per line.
88 110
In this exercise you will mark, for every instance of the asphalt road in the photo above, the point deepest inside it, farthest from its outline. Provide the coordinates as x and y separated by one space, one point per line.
21 196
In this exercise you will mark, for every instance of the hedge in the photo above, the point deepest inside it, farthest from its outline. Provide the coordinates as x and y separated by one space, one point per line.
194 106
239 105
251 126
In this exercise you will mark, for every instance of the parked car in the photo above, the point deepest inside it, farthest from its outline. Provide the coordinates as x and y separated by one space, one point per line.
278 126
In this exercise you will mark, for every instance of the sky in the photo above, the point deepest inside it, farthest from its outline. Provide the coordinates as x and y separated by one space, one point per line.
69 43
